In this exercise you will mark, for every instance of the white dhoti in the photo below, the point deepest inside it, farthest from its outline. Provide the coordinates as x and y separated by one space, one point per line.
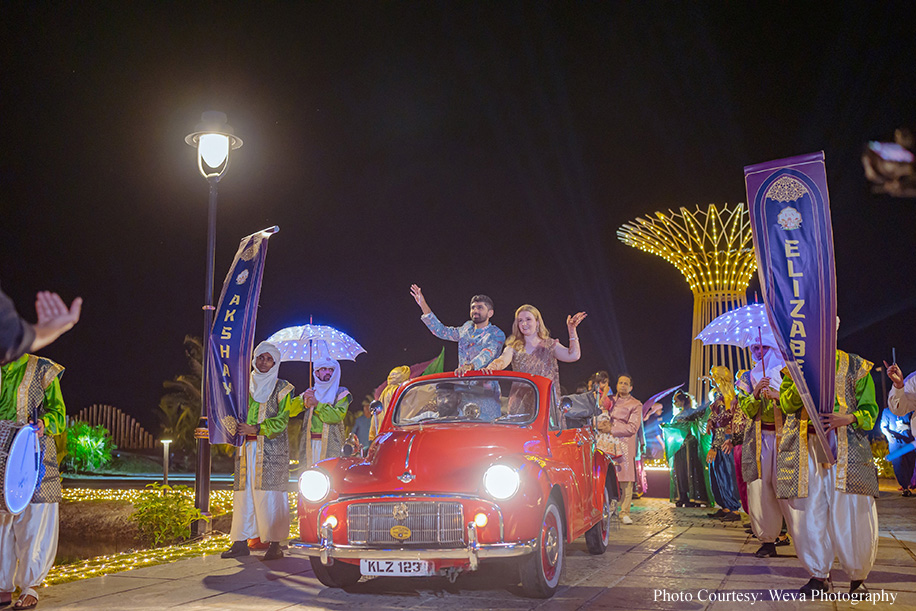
830 522
762 504
28 546
258 513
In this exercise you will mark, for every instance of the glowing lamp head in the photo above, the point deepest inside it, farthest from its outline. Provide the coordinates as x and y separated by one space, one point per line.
480 520
314 485
331 521
213 138
501 482
214 148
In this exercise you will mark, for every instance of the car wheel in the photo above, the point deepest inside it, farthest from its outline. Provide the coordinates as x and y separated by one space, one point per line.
337 575
540 571
597 536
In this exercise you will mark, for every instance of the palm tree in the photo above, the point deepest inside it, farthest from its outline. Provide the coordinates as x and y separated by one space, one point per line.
179 408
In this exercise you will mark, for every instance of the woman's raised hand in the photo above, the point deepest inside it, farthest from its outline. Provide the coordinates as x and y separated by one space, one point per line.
573 320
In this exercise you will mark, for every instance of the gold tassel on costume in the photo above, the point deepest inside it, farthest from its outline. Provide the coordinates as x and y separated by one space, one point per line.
307 430
324 441
758 438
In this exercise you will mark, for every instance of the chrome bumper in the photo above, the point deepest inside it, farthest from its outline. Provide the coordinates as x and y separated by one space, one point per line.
472 552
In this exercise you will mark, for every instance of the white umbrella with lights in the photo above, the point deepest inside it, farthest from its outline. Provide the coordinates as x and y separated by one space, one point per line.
742 327
310 342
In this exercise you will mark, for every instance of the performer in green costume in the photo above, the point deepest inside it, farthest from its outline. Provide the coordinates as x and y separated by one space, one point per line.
686 441
260 503
28 541
830 509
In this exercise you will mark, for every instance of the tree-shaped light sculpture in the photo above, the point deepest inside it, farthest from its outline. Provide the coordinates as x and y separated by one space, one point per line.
713 248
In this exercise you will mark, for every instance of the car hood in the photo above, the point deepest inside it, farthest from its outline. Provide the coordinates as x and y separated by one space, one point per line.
446 458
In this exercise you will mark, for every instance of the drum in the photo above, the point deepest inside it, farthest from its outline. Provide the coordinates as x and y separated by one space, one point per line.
20 460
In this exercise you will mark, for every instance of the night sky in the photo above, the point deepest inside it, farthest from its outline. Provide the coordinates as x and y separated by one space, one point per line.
468 147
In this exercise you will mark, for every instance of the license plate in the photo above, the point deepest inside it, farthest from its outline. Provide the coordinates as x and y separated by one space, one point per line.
396 568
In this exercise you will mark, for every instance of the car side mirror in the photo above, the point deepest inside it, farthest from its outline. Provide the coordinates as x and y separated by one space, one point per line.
376 407
352 447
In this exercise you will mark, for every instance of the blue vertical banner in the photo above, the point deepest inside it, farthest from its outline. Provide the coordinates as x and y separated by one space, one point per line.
793 239
232 339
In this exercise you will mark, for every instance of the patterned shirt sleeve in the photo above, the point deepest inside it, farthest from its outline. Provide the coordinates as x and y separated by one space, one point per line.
440 330
16 335
491 349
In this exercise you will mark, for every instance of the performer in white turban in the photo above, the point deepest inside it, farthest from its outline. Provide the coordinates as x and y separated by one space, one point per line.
326 404
758 397
260 504
28 541
831 508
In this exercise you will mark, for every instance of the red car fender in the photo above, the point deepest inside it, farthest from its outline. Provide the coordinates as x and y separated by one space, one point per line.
542 477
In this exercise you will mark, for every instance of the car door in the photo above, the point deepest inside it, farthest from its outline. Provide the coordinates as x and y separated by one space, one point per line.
570 446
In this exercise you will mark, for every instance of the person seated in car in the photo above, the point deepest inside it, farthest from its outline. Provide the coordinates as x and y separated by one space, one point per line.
448 400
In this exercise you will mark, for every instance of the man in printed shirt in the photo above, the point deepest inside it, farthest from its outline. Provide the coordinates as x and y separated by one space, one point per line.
479 342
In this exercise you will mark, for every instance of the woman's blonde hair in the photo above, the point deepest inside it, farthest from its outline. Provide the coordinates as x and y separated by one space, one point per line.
516 341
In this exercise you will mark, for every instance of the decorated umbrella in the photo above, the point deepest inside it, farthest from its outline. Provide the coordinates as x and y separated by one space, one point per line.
742 327
309 342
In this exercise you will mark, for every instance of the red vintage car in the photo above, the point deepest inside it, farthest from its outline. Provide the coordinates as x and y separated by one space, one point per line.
464 471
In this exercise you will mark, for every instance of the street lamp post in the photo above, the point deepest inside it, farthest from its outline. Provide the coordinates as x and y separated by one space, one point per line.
165 460
213 138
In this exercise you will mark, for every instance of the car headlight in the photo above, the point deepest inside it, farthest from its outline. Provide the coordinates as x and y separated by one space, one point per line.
501 481
314 485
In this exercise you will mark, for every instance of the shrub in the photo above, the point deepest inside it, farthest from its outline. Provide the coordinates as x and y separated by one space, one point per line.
164 514
88 447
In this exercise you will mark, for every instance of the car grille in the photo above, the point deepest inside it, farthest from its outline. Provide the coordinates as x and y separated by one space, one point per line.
430 522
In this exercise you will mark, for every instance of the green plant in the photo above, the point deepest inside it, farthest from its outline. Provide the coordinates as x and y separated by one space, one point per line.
179 408
88 447
164 514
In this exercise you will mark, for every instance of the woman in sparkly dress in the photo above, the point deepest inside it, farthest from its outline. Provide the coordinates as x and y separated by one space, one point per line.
530 349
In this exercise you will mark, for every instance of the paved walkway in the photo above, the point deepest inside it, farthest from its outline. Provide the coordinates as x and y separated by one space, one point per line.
669 559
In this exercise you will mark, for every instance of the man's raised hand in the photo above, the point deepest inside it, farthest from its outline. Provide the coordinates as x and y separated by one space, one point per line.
417 294
54 318
894 373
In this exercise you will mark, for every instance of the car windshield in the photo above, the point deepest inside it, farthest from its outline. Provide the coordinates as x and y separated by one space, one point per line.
500 401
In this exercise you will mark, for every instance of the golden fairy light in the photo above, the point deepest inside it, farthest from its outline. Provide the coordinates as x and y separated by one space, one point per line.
713 248
221 502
